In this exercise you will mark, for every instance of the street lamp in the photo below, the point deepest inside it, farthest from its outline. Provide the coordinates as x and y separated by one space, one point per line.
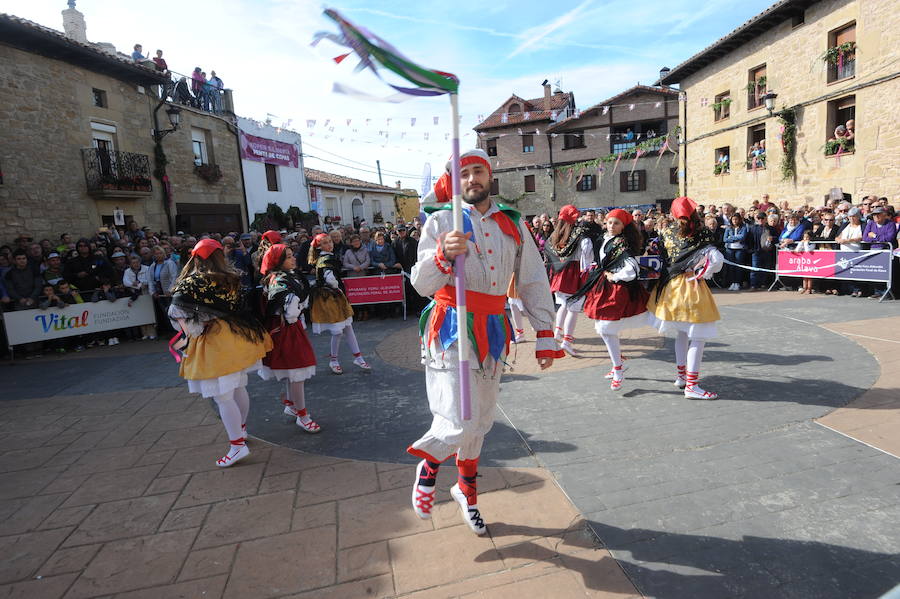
769 99
174 114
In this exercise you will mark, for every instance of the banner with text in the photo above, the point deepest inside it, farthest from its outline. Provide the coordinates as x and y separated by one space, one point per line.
268 151
375 289
26 326
829 264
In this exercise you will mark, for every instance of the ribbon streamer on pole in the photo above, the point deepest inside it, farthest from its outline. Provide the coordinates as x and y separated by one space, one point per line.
371 49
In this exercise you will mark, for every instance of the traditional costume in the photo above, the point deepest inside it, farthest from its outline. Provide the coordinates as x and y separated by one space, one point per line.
613 297
495 252
682 303
224 343
569 266
331 311
292 358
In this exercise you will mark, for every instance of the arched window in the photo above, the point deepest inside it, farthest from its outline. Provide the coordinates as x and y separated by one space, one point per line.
514 108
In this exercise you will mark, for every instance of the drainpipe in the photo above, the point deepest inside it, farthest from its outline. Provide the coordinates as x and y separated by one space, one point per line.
552 171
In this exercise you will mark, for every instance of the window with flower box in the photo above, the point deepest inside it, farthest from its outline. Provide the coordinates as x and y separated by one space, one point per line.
841 54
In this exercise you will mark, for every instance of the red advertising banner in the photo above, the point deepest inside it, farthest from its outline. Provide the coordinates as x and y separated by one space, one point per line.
268 151
375 289
871 265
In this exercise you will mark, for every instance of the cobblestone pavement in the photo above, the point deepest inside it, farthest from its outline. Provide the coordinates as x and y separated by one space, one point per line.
787 487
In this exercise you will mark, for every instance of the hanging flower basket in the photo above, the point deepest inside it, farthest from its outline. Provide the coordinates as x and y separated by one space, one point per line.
837 55
208 172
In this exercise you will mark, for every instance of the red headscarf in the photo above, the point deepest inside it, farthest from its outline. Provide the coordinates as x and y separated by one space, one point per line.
443 189
318 239
272 236
569 214
683 207
622 215
272 258
205 248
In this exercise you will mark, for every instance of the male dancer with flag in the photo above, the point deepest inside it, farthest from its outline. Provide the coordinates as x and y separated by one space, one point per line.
496 244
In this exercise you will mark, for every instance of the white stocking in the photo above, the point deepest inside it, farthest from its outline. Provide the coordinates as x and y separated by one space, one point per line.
296 394
681 349
231 415
515 316
560 317
335 345
614 348
351 340
243 403
695 355
569 326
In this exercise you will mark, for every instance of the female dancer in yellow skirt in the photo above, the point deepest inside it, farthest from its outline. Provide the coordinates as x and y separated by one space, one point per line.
330 309
682 303
224 340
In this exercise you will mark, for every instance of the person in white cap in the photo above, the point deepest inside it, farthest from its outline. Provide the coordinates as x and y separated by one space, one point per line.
497 245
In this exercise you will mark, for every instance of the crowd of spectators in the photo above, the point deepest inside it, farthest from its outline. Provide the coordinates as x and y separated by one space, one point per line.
121 264
751 237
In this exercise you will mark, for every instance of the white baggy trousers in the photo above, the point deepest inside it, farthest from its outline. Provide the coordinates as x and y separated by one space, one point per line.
449 433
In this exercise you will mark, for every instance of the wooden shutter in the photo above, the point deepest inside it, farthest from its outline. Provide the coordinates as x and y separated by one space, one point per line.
642 180
623 181
529 182
847 34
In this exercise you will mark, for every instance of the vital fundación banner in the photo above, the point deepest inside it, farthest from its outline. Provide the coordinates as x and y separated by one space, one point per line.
268 151
26 326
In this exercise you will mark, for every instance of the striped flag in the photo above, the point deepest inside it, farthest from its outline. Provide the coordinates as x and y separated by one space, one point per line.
372 51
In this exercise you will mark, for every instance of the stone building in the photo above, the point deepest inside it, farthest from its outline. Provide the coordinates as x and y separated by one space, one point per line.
529 140
78 121
612 128
515 136
830 62
345 198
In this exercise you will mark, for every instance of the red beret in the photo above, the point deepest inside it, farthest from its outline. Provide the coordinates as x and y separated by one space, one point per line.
205 247
622 215
569 214
272 236
683 207
318 239
272 258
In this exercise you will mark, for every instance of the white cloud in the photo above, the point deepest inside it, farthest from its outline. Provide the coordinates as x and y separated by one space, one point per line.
534 35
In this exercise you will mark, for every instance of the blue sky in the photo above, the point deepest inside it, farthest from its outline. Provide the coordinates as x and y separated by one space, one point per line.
261 49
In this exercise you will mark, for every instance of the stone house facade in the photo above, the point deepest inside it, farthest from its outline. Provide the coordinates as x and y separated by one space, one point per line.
610 128
526 152
78 142
515 137
781 51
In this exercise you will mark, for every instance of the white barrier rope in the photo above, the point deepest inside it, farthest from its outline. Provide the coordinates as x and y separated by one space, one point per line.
788 272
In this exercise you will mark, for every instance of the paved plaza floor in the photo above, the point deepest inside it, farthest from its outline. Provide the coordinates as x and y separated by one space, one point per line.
787 487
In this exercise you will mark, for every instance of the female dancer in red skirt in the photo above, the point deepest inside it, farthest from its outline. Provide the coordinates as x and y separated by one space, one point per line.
292 360
570 252
612 295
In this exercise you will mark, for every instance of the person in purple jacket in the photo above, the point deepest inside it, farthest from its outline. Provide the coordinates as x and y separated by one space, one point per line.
881 233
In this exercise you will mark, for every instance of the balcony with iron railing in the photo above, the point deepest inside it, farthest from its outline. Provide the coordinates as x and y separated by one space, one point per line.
116 174
208 95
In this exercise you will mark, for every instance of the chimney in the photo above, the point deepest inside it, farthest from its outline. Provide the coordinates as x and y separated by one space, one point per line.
547 95
663 73
398 184
73 24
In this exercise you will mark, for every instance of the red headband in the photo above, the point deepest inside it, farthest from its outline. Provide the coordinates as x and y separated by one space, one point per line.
474 159
622 215
683 207
205 248
272 236
318 239
569 214
272 258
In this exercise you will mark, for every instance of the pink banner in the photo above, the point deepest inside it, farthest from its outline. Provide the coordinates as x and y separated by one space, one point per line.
268 151
375 289
817 264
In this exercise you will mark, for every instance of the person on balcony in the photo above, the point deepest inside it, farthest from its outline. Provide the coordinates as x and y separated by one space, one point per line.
216 87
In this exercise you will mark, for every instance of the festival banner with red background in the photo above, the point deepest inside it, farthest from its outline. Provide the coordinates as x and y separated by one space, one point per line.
268 151
375 289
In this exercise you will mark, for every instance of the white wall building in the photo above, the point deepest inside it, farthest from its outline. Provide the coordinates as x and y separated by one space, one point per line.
272 163
347 198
